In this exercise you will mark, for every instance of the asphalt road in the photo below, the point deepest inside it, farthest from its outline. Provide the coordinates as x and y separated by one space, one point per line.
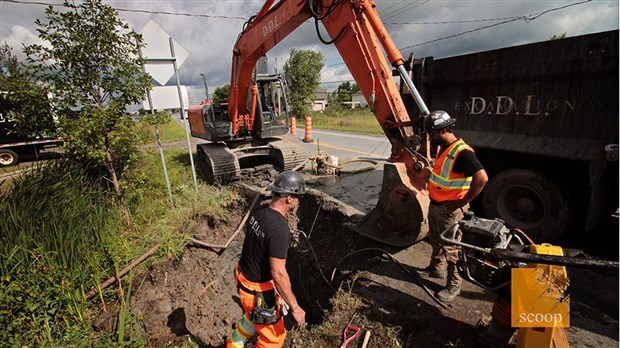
346 145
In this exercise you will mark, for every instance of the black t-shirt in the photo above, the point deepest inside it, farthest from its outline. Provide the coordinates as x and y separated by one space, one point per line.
267 235
467 163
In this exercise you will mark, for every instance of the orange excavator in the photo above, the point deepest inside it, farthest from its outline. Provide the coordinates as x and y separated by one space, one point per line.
240 136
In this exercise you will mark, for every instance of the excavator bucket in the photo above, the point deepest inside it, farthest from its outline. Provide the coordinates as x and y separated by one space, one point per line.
400 217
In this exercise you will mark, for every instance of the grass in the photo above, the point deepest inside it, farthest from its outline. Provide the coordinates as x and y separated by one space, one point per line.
61 235
349 120
169 132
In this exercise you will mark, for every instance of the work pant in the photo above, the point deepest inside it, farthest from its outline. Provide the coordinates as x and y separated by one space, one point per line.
445 256
272 335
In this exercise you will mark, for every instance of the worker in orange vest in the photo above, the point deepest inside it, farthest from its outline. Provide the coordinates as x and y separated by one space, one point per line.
261 276
457 178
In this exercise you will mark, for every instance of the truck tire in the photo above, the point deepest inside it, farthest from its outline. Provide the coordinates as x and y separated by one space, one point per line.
8 158
528 200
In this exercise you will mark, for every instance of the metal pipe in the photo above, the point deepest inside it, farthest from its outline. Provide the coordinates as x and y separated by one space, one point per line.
157 135
414 91
553 259
185 120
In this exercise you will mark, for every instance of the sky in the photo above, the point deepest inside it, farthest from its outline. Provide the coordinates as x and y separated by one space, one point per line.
207 29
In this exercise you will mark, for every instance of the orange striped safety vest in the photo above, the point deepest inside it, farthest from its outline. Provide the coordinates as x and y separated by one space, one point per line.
445 185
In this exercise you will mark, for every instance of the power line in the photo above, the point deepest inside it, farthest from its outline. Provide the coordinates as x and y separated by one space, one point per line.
456 21
338 81
408 8
133 10
525 18
396 10
389 7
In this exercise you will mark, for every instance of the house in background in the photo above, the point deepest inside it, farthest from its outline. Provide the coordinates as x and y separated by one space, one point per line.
358 101
320 100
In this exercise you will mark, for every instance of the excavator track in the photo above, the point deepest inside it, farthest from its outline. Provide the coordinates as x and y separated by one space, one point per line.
291 151
218 163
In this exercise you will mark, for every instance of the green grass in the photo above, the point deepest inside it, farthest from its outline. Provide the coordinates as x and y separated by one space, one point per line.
169 132
349 120
61 235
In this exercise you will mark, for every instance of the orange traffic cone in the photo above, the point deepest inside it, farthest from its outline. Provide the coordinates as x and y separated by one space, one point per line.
293 121
308 133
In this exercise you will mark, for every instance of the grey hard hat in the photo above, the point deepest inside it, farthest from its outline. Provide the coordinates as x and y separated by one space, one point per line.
437 120
288 182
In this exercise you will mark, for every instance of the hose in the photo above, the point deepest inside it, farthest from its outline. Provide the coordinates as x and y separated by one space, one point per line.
315 258
374 163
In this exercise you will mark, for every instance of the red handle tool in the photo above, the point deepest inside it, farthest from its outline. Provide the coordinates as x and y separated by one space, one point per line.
348 330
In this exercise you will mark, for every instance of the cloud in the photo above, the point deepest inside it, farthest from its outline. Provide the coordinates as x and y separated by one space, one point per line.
210 40
19 36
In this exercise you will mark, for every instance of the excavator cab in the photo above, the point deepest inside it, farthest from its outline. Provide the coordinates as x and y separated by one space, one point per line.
272 106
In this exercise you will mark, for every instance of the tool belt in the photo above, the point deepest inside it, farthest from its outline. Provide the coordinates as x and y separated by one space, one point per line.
265 304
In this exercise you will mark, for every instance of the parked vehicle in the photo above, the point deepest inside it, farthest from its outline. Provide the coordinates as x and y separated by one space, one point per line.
543 119
13 146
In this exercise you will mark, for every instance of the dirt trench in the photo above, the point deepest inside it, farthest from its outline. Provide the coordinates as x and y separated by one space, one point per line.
193 298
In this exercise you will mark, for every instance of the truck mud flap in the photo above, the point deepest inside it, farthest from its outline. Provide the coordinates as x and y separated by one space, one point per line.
400 217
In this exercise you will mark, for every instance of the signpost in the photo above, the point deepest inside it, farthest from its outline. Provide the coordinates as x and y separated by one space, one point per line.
161 63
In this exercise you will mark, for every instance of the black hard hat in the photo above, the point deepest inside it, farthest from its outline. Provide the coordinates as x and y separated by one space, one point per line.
288 182
438 120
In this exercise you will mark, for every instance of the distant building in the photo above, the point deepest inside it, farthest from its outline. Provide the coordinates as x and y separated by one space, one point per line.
358 101
320 100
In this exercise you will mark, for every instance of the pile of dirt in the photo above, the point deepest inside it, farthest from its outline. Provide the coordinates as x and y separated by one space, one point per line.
190 298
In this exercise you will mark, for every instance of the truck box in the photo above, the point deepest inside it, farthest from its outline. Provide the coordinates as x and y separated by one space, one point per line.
543 119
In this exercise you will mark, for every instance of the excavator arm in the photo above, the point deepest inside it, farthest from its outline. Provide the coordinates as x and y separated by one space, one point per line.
359 35
357 32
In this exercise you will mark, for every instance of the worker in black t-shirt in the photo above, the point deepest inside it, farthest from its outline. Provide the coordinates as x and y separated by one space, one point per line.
457 178
262 268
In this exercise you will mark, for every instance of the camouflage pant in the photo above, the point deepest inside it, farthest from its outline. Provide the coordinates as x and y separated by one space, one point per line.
445 256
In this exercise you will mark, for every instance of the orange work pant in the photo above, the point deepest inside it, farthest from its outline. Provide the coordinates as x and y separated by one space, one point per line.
270 336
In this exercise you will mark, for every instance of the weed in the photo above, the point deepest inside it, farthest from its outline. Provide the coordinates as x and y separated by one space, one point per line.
61 234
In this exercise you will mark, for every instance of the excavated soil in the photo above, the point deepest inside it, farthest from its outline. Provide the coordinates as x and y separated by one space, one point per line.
193 298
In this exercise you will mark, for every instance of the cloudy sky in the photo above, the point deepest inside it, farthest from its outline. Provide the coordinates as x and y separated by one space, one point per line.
207 29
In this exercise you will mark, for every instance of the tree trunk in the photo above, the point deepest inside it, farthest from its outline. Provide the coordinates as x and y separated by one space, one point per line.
117 189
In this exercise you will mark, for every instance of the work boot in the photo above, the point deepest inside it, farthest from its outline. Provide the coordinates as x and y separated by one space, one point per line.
449 293
434 272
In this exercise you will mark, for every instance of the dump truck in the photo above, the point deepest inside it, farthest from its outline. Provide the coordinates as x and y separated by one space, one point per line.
543 120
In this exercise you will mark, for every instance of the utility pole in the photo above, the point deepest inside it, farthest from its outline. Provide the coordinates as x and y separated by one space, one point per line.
276 67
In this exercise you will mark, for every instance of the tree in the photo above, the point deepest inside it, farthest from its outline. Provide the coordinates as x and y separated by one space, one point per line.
9 65
221 94
302 71
92 65
342 94
24 97
557 37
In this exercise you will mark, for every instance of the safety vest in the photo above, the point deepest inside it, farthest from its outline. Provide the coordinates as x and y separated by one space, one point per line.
445 185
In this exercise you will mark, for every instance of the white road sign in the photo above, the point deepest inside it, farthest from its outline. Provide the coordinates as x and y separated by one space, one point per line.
166 97
158 47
